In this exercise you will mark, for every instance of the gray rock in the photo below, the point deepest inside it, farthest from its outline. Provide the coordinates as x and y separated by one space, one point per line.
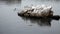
37 11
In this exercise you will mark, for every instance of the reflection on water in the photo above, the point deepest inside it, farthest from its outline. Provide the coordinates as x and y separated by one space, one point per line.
39 21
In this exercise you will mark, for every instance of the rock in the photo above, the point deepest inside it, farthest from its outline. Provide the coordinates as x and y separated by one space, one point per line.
37 11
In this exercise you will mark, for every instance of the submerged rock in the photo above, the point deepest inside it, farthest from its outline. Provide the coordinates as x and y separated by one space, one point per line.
37 11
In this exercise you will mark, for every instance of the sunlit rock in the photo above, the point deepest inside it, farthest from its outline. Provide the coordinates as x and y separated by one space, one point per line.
37 11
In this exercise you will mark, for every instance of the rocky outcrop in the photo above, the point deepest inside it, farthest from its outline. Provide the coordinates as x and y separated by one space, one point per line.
37 11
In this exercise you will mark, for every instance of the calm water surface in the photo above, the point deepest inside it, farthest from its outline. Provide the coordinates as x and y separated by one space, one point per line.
11 23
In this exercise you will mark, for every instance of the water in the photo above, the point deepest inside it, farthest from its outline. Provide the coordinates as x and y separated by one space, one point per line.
11 23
